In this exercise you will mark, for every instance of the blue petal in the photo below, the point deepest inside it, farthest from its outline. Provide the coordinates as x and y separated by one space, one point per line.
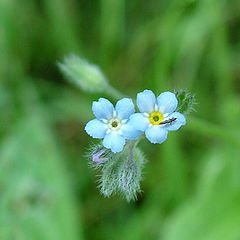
114 141
139 121
146 101
96 128
167 102
102 109
156 134
129 132
181 120
125 108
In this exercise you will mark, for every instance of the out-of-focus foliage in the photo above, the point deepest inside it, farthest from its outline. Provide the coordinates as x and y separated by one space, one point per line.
191 183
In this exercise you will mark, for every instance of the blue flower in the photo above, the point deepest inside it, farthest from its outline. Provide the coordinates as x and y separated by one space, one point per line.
157 116
111 124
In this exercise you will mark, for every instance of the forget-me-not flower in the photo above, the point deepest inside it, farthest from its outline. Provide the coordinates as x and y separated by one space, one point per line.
157 116
112 124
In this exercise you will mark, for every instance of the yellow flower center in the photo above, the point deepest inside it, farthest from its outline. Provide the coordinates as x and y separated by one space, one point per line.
156 118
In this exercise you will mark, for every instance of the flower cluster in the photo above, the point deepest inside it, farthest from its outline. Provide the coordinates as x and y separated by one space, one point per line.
157 116
118 159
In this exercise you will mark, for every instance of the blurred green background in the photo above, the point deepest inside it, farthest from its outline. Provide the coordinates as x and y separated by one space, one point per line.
191 186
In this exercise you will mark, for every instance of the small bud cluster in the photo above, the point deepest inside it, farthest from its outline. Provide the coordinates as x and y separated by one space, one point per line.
186 102
119 172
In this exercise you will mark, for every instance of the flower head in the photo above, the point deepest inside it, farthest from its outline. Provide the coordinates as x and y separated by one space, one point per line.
112 124
157 116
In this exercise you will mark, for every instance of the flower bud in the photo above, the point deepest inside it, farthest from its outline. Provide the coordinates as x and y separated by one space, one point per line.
83 74
98 158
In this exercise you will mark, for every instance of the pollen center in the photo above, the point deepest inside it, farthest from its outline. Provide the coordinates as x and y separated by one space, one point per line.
156 118
114 124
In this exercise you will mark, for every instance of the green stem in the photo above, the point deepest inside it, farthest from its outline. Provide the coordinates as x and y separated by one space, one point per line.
214 131
111 91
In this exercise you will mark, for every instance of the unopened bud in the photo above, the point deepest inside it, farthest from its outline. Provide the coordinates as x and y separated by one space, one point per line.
85 75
